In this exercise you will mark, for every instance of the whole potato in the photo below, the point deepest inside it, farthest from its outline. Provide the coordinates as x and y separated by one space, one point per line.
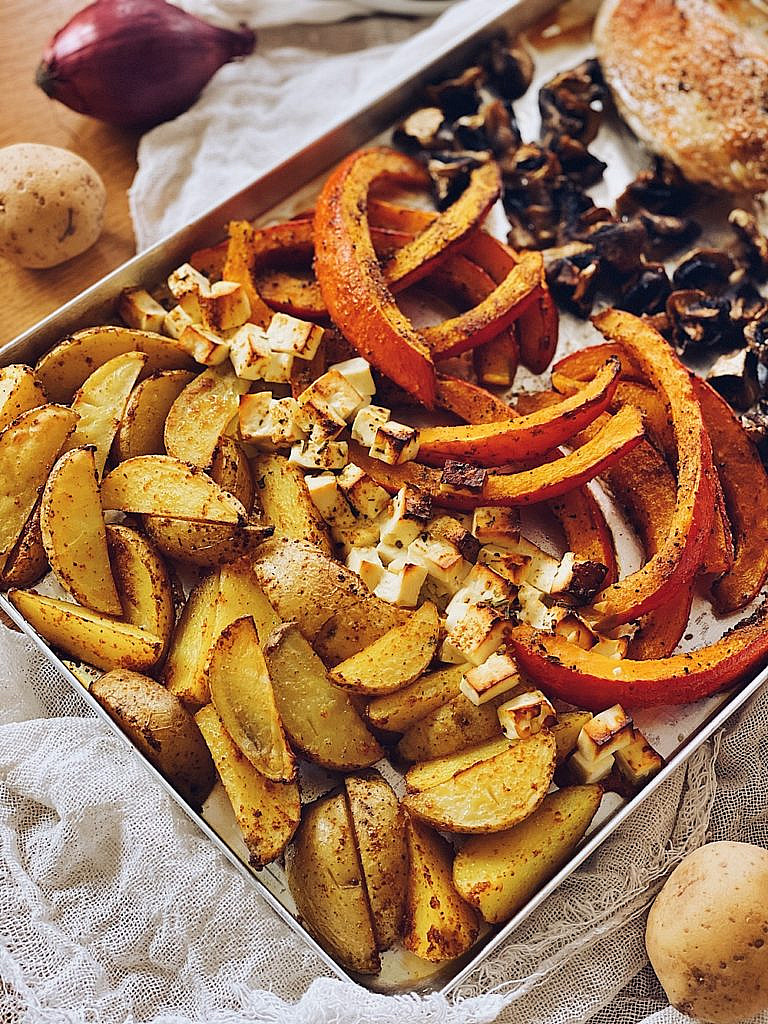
51 205
707 933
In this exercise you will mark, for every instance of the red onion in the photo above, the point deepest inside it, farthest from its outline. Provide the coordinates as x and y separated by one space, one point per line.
136 62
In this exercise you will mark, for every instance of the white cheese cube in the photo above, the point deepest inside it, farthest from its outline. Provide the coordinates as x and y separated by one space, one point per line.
203 345
496 525
638 761
357 372
298 337
606 733
401 588
285 427
612 648
253 359
362 493
254 419
367 422
323 490
175 322
395 443
509 564
225 306
526 714
576 631
411 511
442 560
186 285
323 455
388 552
138 309
585 771
452 530
477 636
484 682
535 612
333 393
367 564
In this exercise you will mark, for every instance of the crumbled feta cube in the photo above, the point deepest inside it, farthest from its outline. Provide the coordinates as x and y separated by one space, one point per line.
497 526
253 359
254 420
203 345
367 564
605 733
138 309
224 306
442 560
395 443
298 337
175 321
638 761
363 493
484 682
186 285
367 422
411 510
323 455
323 490
357 372
586 771
452 530
526 714
401 588
476 637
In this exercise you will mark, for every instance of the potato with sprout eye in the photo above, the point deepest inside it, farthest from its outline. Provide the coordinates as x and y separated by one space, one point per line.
51 205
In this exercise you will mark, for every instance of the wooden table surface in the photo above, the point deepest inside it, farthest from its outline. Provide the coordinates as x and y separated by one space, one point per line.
27 115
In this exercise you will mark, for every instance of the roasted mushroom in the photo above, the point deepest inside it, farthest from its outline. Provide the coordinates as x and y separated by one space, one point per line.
667 233
734 375
662 189
578 164
450 174
573 274
754 244
755 422
423 129
706 269
756 337
460 96
699 320
572 103
646 291
747 306
620 245
510 68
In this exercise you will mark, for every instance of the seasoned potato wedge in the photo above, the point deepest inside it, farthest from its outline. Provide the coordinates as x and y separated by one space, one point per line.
398 711
491 795
395 659
432 773
331 605
286 502
143 583
453 726
28 449
68 364
439 925
100 403
27 561
232 471
240 594
327 886
161 727
318 718
74 534
202 413
499 873
20 390
86 635
141 428
566 731
184 669
162 485
268 813
241 692
379 827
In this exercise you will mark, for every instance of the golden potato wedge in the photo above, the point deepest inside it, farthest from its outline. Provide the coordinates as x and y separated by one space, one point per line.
162 728
241 692
319 720
431 773
162 485
28 449
331 605
379 827
86 635
240 594
74 535
231 470
84 673
398 711
491 795
63 369
268 813
326 882
453 726
141 428
499 873
184 669
27 561
395 659
439 925
566 731
20 390
142 581
202 413
100 404
286 502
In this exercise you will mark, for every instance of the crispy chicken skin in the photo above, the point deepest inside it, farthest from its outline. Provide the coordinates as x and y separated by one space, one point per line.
690 77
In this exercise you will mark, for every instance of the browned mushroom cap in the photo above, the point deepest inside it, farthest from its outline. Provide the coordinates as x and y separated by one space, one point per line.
660 322
500 126
662 189
699 320
450 173
756 337
620 245
573 275
423 129
747 305
666 232
578 164
646 291
572 102
510 68
459 96
754 244
734 375
706 269
755 422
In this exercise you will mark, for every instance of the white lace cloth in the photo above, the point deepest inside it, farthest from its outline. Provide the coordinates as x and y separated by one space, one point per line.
113 907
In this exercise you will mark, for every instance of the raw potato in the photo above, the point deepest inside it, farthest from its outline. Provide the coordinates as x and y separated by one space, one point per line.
241 692
398 711
28 449
27 561
141 427
499 873
319 719
395 659
439 925
66 367
453 726
707 933
287 505
100 403
74 535
52 205
143 583
163 730
268 813
20 390
86 635
492 795
326 882
379 827
184 670
202 413
431 773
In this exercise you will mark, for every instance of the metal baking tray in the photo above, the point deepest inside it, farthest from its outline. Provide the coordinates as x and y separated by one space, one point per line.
558 43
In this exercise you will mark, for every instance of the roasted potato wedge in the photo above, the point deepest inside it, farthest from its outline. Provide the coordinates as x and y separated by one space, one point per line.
202 413
28 449
143 583
439 925
160 726
453 726
20 390
27 561
491 795
499 873
397 712
431 773
143 422
86 635
63 370
240 594
326 883
232 471
286 502
73 532
318 718
162 485
379 827
395 659
241 692
184 669
566 731
268 813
